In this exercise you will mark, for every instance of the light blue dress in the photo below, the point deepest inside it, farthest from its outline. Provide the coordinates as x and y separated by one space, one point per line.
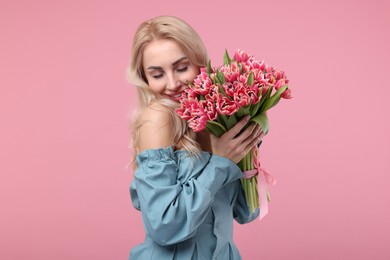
188 205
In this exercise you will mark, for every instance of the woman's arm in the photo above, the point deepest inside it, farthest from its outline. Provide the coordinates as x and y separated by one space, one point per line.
172 210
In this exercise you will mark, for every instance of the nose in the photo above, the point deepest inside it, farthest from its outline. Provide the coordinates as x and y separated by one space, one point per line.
173 83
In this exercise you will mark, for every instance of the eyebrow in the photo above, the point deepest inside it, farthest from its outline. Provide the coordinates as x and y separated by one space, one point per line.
173 64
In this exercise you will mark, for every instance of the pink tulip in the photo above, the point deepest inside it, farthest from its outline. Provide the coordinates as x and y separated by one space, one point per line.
225 106
213 94
208 107
187 108
191 110
203 101
270 78
253 94
286 94
198 119
231 72
264 89
241 97
188 93
198 123
243 79
253 64
202 84
278 84
231 77
279 75
241 56
231 88
258 75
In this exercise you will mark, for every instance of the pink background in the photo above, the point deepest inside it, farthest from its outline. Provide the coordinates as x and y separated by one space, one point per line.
64 103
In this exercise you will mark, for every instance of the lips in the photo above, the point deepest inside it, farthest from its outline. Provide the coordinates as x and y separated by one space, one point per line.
175 97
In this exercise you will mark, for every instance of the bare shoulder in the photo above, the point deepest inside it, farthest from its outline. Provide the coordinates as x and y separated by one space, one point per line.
156 127
154 114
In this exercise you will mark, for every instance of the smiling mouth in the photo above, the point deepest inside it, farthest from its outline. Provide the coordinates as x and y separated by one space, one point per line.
175 97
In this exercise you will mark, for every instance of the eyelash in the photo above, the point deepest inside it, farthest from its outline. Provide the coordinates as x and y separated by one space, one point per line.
179 70
182 69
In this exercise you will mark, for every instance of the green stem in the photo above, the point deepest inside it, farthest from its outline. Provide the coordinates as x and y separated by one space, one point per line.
249 185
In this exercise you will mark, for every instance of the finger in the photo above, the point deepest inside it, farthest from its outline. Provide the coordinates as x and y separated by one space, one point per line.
253 143
257 133
235 130
249 132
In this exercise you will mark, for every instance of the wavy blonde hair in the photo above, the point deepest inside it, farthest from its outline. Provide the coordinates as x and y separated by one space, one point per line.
162 28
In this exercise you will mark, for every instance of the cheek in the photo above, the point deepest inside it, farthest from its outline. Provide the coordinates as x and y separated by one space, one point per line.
191 75
156 87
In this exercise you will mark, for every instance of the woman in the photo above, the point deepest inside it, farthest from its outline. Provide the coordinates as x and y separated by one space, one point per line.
187 186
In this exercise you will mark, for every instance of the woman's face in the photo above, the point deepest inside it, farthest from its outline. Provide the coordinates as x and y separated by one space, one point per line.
167 69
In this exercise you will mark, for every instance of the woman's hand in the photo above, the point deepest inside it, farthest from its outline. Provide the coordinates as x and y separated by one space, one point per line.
235 145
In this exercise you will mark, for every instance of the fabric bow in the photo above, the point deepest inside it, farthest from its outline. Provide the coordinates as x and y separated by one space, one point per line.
263 177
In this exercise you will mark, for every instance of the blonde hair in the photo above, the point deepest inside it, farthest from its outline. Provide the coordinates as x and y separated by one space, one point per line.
160 28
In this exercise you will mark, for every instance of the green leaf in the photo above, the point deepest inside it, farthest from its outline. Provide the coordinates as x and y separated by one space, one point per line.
268 93
250 79
264 99
232 121
220 77
215 128
190 83
226 58
275 102
208 68
213 79
221 90
272 101
225 120
220 121
240 113
262 120
247 110
255 108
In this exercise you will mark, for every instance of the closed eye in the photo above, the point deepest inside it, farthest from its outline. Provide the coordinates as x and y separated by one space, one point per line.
182 69
157 76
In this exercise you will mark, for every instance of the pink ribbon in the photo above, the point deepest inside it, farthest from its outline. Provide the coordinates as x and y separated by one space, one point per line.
263 177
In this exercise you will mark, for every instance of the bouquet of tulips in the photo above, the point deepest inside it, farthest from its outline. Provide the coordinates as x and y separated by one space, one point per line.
220 96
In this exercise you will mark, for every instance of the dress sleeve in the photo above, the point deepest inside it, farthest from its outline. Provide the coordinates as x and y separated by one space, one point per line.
241 211
172 207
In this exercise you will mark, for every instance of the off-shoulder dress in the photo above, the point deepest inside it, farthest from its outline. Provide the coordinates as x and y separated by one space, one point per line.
188 205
